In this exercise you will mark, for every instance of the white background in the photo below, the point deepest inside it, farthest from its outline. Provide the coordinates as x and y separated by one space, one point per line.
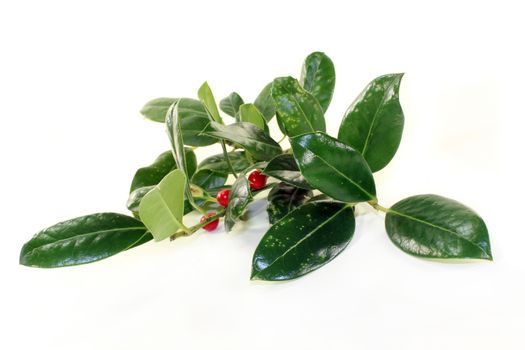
73 77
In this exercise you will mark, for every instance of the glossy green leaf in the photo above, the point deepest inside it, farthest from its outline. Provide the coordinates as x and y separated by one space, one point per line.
136 196
334 168
432 226
174 128
209 179
284 198
264 102
83 240
258 143
153 173
219 164
373 124
303 241
297 110
194 119
285 168
318 78
156 109
206 97
162 208
240 197
146 178
250 114
230 105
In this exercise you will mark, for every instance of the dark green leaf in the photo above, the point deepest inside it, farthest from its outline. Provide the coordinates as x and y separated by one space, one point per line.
264 102
248 136
230 105
373 124
303 241
318 78
152 174
209 179
156 109
83 240
240 197
162 208
297 110
284 198
174 128
334 168
136 196
194 119
219 164
432 226
206 97
284 168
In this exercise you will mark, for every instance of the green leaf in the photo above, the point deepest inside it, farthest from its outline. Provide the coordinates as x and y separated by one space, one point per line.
284 198
264 102
230 105
318 78
83 240
284 168
174 127
209 179
156 109
194 119
152 174
373 124
136 196
162 208
240 197
206 97
303 241
250 114
219 164
334 168
297 110
432 226
259 144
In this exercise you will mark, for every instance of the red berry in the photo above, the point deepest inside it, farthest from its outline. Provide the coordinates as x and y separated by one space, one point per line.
212 225
257 180
222 197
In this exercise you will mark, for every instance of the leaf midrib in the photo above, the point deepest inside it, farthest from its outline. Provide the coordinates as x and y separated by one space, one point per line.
381 104
83 235
342 174
303 239
392 211
292 95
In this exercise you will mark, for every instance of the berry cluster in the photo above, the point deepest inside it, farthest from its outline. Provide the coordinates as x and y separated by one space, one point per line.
257 182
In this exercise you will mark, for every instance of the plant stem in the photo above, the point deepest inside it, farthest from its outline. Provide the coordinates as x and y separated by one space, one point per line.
379 207
195 206
282 139
225 152
249 157
188 231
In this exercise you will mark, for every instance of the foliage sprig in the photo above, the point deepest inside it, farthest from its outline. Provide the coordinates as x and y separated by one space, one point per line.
312 188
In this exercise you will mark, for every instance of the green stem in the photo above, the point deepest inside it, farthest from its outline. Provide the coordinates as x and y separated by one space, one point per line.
225 152
188 231
195 206
249 157
376 206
